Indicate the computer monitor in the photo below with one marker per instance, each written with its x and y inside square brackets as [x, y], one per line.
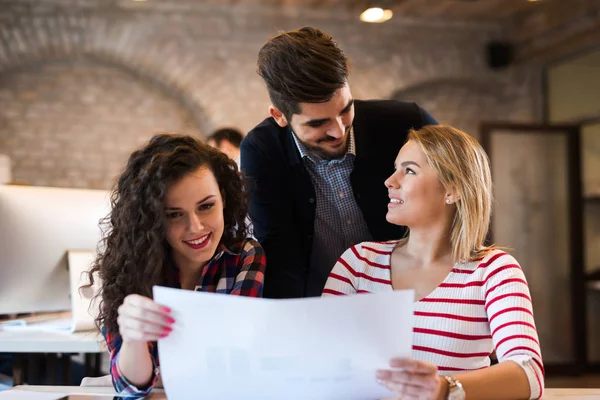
[38, 225]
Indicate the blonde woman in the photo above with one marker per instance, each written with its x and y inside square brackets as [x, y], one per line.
[471, 300]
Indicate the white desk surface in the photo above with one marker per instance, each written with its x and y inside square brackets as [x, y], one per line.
[13, 341]
[109, 392]
[572, 394]
[549, 394]
[51, 342]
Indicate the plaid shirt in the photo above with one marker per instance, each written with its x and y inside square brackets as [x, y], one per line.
[339, 223]
[236, 273]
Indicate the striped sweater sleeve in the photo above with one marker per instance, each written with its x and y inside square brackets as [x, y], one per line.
[343, 278]
[510, 315]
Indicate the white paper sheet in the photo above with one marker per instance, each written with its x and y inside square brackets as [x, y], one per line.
[231, 347]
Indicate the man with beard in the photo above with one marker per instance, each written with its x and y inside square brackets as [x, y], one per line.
[316, 167]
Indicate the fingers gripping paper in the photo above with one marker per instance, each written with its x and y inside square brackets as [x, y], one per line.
[231, 347]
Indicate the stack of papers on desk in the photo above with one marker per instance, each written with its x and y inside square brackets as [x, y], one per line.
[230, 347]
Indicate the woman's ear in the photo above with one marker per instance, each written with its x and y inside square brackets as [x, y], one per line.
[451, 196]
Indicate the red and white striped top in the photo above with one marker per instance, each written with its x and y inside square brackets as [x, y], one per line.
[480, 307]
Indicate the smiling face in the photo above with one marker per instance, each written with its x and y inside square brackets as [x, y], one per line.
[194, 211]
[323, 127]
[417, 197]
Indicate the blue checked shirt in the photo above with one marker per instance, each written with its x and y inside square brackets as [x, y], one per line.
[339, 223]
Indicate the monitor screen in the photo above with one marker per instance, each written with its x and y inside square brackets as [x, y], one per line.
[38, 225]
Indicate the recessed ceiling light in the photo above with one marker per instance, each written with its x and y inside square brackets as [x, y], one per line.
[376, 15]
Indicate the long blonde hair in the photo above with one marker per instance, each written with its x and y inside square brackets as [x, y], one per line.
[463, 167]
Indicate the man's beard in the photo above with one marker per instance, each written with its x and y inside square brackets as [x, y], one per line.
[328, 154]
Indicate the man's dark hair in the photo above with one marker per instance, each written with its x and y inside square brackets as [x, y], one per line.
[232, 135]
[302, 66]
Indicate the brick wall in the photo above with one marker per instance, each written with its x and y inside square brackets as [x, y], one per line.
[73, 123]
[82, 83]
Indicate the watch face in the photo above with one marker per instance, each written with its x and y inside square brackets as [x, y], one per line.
[456, 393]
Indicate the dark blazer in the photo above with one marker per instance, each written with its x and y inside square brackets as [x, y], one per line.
[282, 197]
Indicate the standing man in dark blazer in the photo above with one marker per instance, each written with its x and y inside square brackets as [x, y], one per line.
[316, 166]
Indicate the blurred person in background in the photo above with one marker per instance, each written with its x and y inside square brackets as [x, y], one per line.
[227, 140]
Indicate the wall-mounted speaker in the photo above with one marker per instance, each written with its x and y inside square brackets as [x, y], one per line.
[499, 54]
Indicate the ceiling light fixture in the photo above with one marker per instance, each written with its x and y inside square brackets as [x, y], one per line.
[376, 15]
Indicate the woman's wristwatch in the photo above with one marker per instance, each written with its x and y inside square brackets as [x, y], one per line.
[455, 389]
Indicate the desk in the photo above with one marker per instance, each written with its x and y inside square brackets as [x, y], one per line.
[53, 343]
[37, 341]
[571, 394]
[158, 394]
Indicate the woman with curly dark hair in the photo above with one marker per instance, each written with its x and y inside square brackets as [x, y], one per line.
[177, 220]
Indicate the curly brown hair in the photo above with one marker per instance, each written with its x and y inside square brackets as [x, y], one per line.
[134, 254]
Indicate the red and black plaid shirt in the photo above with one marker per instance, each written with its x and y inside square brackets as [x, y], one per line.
[240, 273]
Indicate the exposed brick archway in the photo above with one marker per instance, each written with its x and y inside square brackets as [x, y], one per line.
[39, 38]
[79, 91]
[73, 123]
